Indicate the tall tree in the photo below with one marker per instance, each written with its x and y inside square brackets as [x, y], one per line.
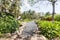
[53, 4]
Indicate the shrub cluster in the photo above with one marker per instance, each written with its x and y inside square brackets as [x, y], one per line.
[57, 18]
[49, 17]
[8, 24]
[49, 29]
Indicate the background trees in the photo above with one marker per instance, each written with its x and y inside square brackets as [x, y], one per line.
[30, 15]
[53, 5]
[10, 6]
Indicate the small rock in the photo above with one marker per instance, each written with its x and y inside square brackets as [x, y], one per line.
[41, 37]
[14, 36]
[57, 38]
[38, 37]
[7, 35]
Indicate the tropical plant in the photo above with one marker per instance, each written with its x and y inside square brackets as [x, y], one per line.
[8, 24]
[49, 29]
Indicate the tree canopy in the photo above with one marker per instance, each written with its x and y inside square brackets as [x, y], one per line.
[10, 6]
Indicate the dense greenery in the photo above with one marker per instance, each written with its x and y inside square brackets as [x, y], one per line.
[8, 24]
[9, 11]
[49, 29]
[57, 18]
[10, 6]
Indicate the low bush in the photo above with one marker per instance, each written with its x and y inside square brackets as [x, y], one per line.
[57, 18]
[8, 24]
[48, 18]
[49, 29]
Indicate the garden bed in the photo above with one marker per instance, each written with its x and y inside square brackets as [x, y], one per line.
[49, 29]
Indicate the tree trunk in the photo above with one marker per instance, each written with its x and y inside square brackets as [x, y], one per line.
[53, 4]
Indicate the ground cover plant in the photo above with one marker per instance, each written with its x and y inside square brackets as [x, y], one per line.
[49, 29]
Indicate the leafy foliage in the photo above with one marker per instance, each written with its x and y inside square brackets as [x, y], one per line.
[8, 24]
[57, 17]
[49, 29]
[49, 17]
[10, 6]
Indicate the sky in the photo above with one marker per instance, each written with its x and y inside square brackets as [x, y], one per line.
[41, 6]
